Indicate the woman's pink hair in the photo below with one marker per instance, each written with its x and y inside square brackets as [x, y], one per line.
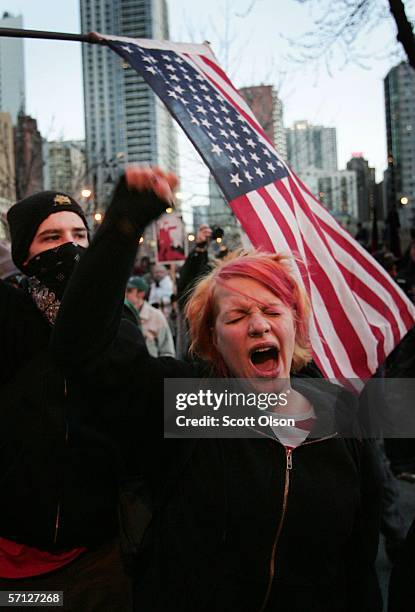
[271, 270]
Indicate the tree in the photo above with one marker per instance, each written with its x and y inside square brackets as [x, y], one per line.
[341, 25]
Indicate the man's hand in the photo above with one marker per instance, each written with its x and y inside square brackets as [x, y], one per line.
[152, 179]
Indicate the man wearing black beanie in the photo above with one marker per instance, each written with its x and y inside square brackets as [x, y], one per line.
[52, 491]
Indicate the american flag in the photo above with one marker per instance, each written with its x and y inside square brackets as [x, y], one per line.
[358, 313]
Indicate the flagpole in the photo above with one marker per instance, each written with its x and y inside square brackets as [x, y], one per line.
[90, 37]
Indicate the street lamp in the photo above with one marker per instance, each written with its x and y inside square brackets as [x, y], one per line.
[404, 200]
[86, 193]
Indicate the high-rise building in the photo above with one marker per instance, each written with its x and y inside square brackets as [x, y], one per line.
[64, 166]
[7, 170]
[399, 86]
[336, 190]
[124, 121]
[12, 74]
[7, 163]
[366, 186]
[28, 156]
[268, 109]
[311, 146]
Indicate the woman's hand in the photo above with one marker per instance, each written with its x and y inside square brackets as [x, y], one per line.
[152, 179]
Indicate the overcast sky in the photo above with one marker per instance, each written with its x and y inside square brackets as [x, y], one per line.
[252, 47]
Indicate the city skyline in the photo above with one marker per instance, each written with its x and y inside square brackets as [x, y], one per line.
[352, 101]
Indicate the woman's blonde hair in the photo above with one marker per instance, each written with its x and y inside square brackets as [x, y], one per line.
[271, 270]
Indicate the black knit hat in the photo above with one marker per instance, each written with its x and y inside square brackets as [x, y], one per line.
[25, 216]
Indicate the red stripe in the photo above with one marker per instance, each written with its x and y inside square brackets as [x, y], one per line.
[219, 71]
[373, 300]
[330, 356]
[405, 315]
[285, 227]
[251, 223]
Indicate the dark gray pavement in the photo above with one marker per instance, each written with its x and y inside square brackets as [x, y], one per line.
[407, 500]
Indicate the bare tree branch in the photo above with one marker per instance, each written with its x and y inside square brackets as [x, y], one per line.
[405, 32]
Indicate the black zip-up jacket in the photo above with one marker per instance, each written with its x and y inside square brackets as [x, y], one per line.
[240, 524]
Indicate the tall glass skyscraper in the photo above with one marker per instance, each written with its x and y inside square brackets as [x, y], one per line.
[12, 73]
[399, 86]
[124, 121]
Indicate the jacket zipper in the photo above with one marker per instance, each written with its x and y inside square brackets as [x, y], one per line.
[58, 508]
[289, 465]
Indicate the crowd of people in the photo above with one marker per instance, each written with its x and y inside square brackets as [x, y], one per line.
[97, 504]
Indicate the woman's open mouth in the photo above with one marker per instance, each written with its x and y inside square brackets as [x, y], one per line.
[265, 359]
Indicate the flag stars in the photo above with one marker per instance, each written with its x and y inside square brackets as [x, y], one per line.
[266, 152]
[174, 77]
[229, 147]
[208, 99]
[127, 49]
[194, 120]
[245, 129]
[259, 172]
[229, 121]
[218, 120]
[172, 94]
[250, 143]
[223, 132]
[179, 89]
[271, 166]
[238, 146]
[248, 176]
[235, 179]
[224, 109]
[244, 160]
[233, 134]
[206, 123]
[196, 97]
[166, 57]
[213, 110]
[200, 109]
[171, 67]
[255, 157]
[151, 69]
[234, 161]
[204, 88]
[216, 149]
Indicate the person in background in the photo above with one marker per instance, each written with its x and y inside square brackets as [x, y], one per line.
[362, 235]
[161, 289]
[152, 321]
[8, 271]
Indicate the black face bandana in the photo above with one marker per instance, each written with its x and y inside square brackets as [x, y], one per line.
[53, 268]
